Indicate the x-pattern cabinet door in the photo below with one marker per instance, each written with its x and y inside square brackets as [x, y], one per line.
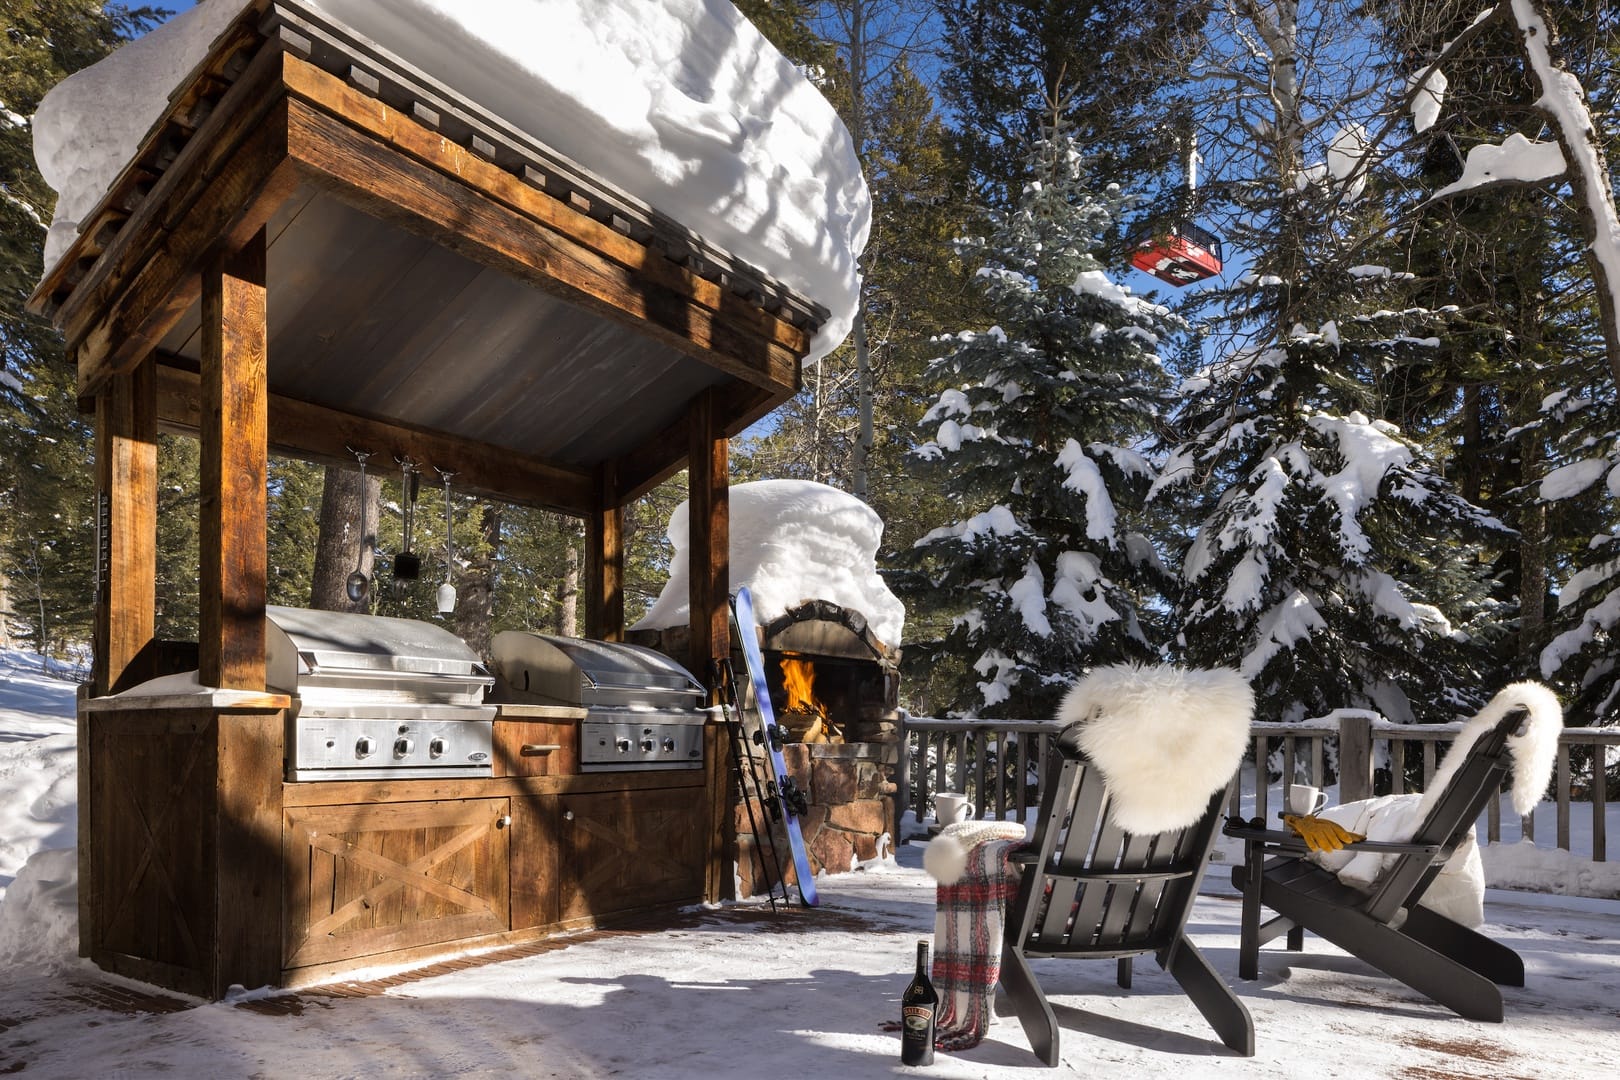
[619, 850]
[379, 877]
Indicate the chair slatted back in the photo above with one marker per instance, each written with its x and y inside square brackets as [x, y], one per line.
[1472, 787]
[1097, 889]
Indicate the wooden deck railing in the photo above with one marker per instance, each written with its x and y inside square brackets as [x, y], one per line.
[998, 765]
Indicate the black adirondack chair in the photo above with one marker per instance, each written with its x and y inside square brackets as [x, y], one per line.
[1091, 890]
[1452, 964]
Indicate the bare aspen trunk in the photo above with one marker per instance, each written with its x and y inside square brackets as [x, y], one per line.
[568, 595]
[340, 547]
[1532, 560]
[475, 615]
[1568, 114]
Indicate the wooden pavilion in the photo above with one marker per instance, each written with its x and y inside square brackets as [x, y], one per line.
[318, 248]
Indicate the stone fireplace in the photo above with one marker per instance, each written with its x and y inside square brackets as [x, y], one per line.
[835, 689]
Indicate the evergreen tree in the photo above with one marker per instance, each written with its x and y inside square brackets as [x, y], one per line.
[292, 529]
[1006, 59]
[47, 526]
[1035, 439]
[179, 600]
[1323, 540]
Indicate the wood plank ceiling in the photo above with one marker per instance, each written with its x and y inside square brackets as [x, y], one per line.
[368, 317]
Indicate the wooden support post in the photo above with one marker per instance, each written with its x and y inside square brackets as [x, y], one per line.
[709, 563]
[709, 533]
[604, 555]
[235, 394]
[126, 521]
[1355, 757]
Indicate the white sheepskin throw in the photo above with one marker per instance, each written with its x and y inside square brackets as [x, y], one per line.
[1458, 892]
[1534, 748]
[945, 857]
[1165, 738]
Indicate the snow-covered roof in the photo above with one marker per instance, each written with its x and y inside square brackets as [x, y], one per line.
[791, 541]
[681, 104]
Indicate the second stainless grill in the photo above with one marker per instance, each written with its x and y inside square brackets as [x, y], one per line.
[643, 710]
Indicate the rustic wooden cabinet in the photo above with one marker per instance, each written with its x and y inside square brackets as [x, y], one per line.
[380, 877]
[619, 850]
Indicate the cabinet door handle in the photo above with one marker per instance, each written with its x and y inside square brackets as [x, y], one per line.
[532, 749]
[568, 815]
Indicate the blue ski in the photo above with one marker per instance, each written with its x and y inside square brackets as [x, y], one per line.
[788, 796]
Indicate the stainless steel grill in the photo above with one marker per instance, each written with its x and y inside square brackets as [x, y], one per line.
[643, 710]
[377, 697]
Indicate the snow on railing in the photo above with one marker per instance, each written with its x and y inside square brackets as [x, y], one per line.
[1354, 753]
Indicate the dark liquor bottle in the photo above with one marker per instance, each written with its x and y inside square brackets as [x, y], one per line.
[919, 1006]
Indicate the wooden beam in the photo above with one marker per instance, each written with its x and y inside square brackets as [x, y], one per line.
[222, 194]
[604, 563]
[709, 536]
[145, 185]
[370, 175]
[665, 454]
[160, 291]
[427, 146]
[234, 469]
[126, 520]
[316, 433]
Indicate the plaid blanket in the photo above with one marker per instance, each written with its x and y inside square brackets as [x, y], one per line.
[969, 916]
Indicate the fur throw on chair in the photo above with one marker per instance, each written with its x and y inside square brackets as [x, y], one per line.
[1534, 746]
[1165, 738]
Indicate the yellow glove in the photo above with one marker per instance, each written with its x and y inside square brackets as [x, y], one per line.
[1320, 834]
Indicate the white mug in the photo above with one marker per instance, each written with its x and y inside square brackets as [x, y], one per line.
[953, 806]
[1305, 799]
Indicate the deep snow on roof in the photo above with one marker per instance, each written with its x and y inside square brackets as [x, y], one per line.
[680, 103]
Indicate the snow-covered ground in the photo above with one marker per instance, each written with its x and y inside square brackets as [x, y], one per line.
[738, 991]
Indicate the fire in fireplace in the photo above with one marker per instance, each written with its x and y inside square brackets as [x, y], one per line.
[802, 712]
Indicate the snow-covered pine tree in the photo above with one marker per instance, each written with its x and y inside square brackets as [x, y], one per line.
[1329, 559]
[1583, 658]
[1035, 438]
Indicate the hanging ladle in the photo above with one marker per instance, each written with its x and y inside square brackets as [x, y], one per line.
[447, 592]
[407, 564]
[358, 584]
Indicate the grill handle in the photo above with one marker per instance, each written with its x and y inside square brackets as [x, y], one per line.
[536, 749]
[477, 676]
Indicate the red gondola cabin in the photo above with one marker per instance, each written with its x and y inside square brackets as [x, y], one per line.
[1182, 256]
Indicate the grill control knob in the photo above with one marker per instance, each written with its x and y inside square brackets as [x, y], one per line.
[623, 746]
[436, 747]
[647, 746]
[403, 747]
[669, 745]
[365, 746]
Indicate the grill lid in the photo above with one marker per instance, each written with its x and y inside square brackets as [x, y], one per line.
[327, 657]
[547, 669]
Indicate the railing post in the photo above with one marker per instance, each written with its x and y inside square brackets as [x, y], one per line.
[1355, 757]
[902, 779]
[1563, 794]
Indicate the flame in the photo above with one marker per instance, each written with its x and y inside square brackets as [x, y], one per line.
[799, 680]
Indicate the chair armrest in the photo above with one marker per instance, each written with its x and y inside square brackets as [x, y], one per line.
[1284, 840]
